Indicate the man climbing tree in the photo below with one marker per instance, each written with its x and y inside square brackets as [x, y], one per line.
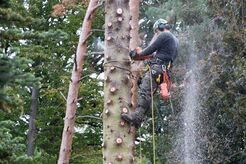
[162, 52]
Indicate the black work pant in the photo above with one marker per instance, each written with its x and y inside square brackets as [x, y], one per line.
[144, 98]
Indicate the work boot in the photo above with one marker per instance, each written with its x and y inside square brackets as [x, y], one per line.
[135, 118]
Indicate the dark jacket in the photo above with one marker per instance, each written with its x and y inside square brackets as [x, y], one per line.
[165, 46]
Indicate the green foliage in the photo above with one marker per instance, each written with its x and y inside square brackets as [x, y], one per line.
[10, 146]
[12, 149]
[37, 50]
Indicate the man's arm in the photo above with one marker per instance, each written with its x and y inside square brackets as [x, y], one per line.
[153, 47]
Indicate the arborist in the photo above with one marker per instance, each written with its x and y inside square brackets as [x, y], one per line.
[162, 51]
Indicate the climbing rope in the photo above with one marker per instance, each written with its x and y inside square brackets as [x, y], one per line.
[153, 119]
[140, 146]
[152, 113]
[171, 104]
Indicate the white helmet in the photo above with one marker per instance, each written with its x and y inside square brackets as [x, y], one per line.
[160, 24]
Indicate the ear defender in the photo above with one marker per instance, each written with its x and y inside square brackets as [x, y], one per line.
[161, 26]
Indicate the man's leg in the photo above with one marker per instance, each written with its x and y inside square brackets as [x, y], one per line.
[144, 101]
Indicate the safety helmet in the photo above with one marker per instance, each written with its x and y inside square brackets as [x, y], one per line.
[160, 24]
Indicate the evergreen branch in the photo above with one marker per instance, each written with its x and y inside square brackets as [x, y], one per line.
[17, 34]
[9, 15]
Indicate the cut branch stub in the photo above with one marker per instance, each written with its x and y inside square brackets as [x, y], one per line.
[107, 112]
[107, 57]
[104, 145]
[119, 157]
[119, 141]
[107, 79]
[113, 89]
[112, 68]
[127, 63]
[109, 102]
[122, 123]
[120, 19]
[109, 38]
[125, 110]
[110, 24]
[132, 130]
[126, 79]
[119, 11]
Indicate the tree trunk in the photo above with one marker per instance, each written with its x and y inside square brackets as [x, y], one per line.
[118, 136]
[66, 144]
[32, 127]
[134, 42]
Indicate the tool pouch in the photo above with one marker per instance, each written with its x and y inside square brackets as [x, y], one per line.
[165, 85]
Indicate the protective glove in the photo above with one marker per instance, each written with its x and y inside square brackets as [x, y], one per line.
[135, 54]
[138, 50]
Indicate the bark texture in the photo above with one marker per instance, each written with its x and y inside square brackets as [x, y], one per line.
[118, 136]
[134, 42]
[32, 127]
[66, 144]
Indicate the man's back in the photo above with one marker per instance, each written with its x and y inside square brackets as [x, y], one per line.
[165, 46]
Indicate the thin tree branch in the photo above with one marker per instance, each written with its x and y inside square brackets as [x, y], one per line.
[97, 30]
[63, 96]
[83, 42]
[97, 53]
[88, 116]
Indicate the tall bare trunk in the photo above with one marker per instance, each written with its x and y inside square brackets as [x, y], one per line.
[134, 42]
[66, 144]
[118, 137]
[32, 127]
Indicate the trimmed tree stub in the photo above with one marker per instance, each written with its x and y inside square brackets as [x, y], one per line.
[110, 24]
[109, 38]
[119, 141]
[109, 102]
[107, 57]
[119, 157]
[107, 79]
[119, 11]
[103, 145]
[120, 19]
[122, 123]
[113, 90]
[107, 112]
[112, 68]
[125, 110]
